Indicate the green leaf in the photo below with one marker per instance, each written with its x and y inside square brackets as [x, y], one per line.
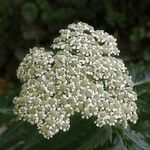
[137, 139]
[6, 113]
[137, 72]
[118, 143]
[142, 87]
[5, 118]
[32, 139]
[99, 138]
[142, 83]
[144, 127]
[13, 133]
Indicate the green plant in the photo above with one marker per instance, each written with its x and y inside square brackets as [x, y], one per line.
[24, 24]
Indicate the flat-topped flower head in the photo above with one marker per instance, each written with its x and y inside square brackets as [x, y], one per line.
[82, 38]
[84, 76]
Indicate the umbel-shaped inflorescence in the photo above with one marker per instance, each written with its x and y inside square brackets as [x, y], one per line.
[84, 76]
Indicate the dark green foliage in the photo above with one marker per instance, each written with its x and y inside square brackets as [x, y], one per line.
[99, 138]
[137, 139]
[29, 12]
[25, 23]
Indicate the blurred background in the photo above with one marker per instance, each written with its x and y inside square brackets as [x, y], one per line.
[28, 23]
[24, 24]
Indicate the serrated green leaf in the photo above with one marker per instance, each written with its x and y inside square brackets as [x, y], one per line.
[137, 139]
[11, 134]
[99, 138]
[32, 139]
[118, 144]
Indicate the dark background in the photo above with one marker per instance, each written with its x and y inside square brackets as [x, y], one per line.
[25, 24]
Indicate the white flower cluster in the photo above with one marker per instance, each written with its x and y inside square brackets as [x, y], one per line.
[84, 76]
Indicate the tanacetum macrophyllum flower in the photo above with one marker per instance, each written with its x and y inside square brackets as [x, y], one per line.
[85, 76]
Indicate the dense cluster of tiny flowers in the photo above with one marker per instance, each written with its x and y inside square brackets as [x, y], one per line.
[84, 76]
